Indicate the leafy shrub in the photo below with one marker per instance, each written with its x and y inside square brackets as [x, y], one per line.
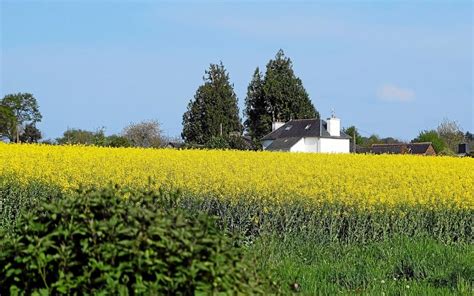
[117, 141]
[447, 152]
[119, 242]
[218, 143]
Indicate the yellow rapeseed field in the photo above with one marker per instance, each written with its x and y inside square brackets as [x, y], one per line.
[358, 180]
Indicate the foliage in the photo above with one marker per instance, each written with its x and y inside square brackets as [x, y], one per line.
[447, 152]
[214, 110]
[119, 242]
[239, 142]
[235, 142]
[257, 108]
[25, 109]
[430, 136]
[375, 139]
[285, 92]
[451, 134]
[279, 96]
[117, 141]
[8, 122]
[369, 141]
[83, 137]
[145, 134]
[469, 136]
[218, 143]
[398, 266]
[390, 140]
[97, 138]
[350, 131]
[30, 134]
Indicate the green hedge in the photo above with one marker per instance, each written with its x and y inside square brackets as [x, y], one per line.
[112, 241]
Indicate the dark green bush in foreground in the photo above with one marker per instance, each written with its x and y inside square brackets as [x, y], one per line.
[99, 241]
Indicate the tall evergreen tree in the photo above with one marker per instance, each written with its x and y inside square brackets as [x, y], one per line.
[280, 97]
[257, 109]
[214, 109]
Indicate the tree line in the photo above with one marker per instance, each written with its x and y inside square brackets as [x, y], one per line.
[212, 118]
[445, 138]
[19, 114]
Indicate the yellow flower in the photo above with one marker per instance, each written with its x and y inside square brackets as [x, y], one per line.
[366, 181]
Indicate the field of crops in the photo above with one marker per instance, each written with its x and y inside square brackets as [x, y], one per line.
[389, 224]
[356, 180]
[332, 197]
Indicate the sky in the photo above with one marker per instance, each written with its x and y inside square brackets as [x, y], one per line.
[389, 68]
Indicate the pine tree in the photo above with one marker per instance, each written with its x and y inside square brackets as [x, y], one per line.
[214, 110]
[280, 96]
[257, 109]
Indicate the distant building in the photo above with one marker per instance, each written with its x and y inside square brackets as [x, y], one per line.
[466, 149]
[425, 148]
[359, 149]
[307, 135]
[175, 145]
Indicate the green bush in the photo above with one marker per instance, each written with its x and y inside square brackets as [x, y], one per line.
[218, 143]
[117, 141]
[113, 241]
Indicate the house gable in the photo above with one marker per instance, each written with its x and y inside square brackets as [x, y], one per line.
[306, 135]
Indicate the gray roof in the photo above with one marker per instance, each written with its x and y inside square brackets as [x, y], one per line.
[302, 128]
[283, 144]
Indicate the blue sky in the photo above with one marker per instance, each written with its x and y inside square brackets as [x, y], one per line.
[390, 68]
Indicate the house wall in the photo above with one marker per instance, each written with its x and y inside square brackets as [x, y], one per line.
[299, 146]
[311, 144]
[328, 145]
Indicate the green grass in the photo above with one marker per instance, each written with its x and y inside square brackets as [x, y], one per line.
[401, 266]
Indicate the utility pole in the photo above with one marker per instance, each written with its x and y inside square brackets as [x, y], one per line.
[354, 140]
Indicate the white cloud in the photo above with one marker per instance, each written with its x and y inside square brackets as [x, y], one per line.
[393, 93]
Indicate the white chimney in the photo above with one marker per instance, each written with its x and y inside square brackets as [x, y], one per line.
[334, 126]
[276, 125]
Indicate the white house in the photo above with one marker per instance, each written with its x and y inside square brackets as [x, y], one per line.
[307, 135]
